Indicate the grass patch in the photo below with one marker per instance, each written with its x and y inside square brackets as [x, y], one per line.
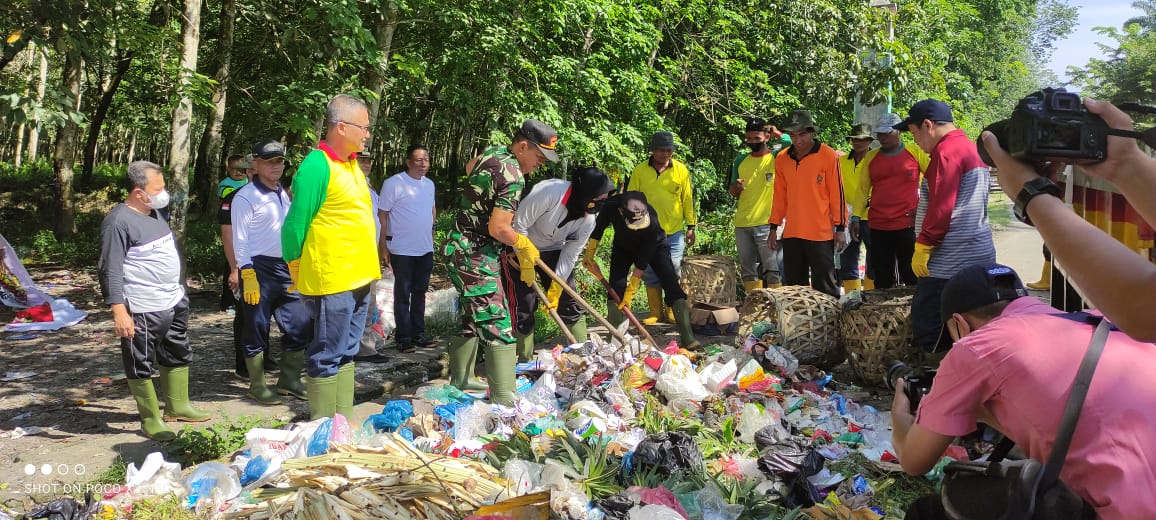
[160, 508]
[196, 445]
[115, 473]
[999, 209]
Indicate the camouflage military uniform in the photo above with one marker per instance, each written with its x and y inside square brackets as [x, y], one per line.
[474, 256]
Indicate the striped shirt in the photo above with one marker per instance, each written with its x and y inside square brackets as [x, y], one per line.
[952, 213]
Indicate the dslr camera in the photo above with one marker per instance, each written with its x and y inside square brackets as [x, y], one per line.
[917, 381]
[1048, 124]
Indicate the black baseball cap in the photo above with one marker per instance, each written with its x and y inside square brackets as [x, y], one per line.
[268, 149]
[928, 109]
[542, 135]
[974, 287]
[756, 124]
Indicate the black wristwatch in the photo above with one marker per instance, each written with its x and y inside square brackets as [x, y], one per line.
[1032, 188]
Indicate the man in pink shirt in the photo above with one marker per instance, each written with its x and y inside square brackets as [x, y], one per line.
[1012, 367]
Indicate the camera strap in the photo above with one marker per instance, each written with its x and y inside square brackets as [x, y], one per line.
[1075, 401]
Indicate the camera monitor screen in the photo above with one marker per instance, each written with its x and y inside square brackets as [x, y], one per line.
[1059, 135]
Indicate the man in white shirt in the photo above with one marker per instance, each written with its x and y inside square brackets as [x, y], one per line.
[407, 212]
[558, 217]
[258, 212]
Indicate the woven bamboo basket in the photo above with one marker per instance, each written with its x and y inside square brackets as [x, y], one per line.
[710, 279]
[878, 333]
[807, 321]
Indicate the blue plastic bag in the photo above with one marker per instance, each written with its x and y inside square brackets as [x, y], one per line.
[395, 414]
[319, 443]
[256, 467]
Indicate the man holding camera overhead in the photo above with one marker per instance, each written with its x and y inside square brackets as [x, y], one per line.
[951, 220]
[1012, 366]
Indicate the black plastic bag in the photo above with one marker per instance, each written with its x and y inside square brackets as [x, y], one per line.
[670, 452]
[765, 437]
[67, 509]
[618, 506]
[793, 463]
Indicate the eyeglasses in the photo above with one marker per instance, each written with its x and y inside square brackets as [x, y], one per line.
[364, 128]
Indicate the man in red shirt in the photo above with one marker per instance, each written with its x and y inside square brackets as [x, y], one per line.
[809, 195]
[891, 184]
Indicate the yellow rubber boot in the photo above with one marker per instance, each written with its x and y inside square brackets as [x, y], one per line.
[868, 284]
[851, 285]
[654, 301]
[1045, 283]
[751, 285]
[774, 285]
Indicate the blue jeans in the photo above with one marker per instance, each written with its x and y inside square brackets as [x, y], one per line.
[677, 243]
[292, 317]
[849, 258]
[339, 320]
[411, 281]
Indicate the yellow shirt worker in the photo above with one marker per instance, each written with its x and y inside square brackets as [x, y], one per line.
[753, 176]
[666, 184]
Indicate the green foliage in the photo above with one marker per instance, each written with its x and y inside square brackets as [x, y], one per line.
[1128, 71]
[655, 418]
[196, 445]
[755, 506]
[168, 507]
[589, 464]
[723, 441]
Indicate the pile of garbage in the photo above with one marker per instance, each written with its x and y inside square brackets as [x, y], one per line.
[600, 430]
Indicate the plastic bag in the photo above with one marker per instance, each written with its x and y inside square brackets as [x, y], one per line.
[382, 322]
[678, 380]
[211, 483]
[526, 477]
[670, 452]
[542, 393]
[780, 360]
[656, 512]
[659, 496]
[67, 509]
[392, 416]
[155, 476]
[751, 373]
[793, 463]
[714, 507]
[755, 418]
[319, 442]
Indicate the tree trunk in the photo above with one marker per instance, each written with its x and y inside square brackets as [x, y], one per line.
[18, 152]
[210, 157]
[34, 128]
[94, 126]
[131, 148]
[182, 122]
[65, 155]
[383, 33]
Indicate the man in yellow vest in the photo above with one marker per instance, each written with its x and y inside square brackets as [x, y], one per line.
[666, 184]
[328, 242]
[851, 167]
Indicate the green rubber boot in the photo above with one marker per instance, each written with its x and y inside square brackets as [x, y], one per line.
[322, 393]
[345, 390]
[150, 412]
[578, 330]
[615, 316]
[682, 321]
[175, 385]
[500, 361]
[463, 354]
[289, 380]
[525, 344]
[258, 390]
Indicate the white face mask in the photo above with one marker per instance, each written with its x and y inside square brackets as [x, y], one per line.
[159, 200]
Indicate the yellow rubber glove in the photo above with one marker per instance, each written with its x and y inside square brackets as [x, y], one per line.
[294, 268]
[553, 295]
[527, 258]
[591, 249]
[631, 288]
[920, 258]
[251, 289]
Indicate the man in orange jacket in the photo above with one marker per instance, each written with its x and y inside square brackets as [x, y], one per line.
[809, 195]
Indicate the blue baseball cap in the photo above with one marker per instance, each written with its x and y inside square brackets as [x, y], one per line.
[974, 287]
[928, 109]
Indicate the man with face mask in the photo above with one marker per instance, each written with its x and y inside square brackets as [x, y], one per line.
[639, 241]
[558, 216]
[752, 182]
[140, 280]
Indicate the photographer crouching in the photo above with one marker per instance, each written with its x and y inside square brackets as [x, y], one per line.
[1121, 283]
[1012, 364]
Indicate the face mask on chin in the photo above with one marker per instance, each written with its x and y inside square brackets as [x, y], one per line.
[158, 201]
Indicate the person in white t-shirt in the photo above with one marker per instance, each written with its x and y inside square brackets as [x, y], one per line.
[407, 212]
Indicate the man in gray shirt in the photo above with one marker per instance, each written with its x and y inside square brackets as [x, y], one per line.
[140, 274]
[558, 217]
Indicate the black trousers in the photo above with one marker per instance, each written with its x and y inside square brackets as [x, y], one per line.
[524, 301]
[890, 253]
[292, 317]
[926, 324]
[410, 283]
[158, 337]
[810, 262]
[622, 260]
